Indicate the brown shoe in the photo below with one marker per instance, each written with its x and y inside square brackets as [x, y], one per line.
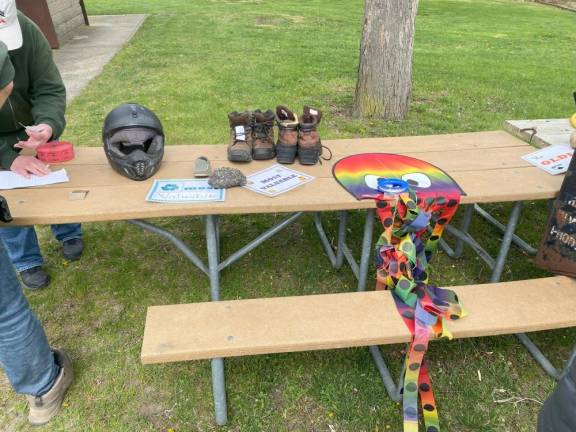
[263, 135]
[287, 143]
[43, 408]
[309, 144]
[240, 147]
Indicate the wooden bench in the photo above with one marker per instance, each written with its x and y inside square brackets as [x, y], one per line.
[305, 323]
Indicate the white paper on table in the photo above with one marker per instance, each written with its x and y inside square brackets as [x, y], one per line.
[553, 159]
[276, 180]
[11, 180]
[184, 191]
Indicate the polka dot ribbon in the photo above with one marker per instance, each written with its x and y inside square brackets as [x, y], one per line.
[413, 226]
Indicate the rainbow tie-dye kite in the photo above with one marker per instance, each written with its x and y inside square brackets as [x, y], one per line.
[415, 201]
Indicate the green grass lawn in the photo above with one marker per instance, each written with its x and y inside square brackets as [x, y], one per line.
[476, 64]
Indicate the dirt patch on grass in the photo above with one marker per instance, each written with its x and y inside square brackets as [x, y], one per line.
[154, 409]
[277, 20]
[302, 414]
[11, 414]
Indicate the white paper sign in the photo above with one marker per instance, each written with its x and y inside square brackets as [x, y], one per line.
[276, 180]
[553, 159]
[11, 180]
[184, 191]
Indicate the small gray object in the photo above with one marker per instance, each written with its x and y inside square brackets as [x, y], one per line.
[225, 177]
[202, 167]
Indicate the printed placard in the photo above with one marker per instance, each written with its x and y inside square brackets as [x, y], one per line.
[184, 191]
[276, 180]
[553, 159]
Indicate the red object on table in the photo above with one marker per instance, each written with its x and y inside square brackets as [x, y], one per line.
[55, 151]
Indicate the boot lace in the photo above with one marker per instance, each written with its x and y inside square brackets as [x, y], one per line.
[322, 157]
[261, 130]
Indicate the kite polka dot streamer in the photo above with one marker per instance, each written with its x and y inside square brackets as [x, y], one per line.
[413, 215]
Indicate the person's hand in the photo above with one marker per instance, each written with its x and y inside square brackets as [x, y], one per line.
[27, 165]
[37, 135]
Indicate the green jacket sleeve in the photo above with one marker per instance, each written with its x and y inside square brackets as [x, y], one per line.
[47, 91]
[7, 154]
[7, 151]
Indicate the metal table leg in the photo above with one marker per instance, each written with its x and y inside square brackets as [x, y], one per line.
[506, 241]
[534, 351]
[175, 240]
[463, 238]
[366, 249]
[269, 233]
[336, 258]
[215, 265]
[394, 390]
[530, 250]
[218, 384]
[538, 355]
[460, 240]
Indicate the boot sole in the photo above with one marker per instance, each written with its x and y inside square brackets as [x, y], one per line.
[38, 285]
[239, 156]
[308, 157]
[263, 154]
[56, 408]
[286, 155]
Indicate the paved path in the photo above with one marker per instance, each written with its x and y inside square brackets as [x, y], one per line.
[83, 57]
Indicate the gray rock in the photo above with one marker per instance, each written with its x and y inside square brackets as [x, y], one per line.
[226, 177]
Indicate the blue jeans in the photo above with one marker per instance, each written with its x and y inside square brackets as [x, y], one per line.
[22, 244]
[24, 351]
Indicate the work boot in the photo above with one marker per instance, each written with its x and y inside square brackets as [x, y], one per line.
[287, 143]
[43, 408]
[263, 135]
[72, 249]
[309, 144]
[240, 147]
[35, 278]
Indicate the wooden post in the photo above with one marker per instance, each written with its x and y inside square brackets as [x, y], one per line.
[37, 11]
[84, 13]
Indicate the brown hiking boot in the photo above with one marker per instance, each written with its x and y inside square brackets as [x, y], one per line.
[240, 147]
[263, 135]
[287, 143]
[309, 144]
[43, 408]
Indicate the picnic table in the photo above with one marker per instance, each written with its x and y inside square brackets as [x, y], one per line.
[487, 165]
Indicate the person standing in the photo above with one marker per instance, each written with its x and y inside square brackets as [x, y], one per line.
[32, 116]
[558, 414]
[32, 367]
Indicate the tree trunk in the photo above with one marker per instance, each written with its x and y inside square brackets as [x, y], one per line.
[385, 69]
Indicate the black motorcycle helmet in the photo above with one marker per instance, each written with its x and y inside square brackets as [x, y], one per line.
[133, 141]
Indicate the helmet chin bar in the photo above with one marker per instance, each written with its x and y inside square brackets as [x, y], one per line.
[139, 164]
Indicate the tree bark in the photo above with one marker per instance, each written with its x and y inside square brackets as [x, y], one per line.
[385, 69]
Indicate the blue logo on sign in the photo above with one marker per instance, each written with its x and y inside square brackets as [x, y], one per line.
[169, 187]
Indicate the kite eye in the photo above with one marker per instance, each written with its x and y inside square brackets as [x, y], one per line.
[418, 180]
[371, 181]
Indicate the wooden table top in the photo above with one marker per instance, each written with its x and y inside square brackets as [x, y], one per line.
[487, 165]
